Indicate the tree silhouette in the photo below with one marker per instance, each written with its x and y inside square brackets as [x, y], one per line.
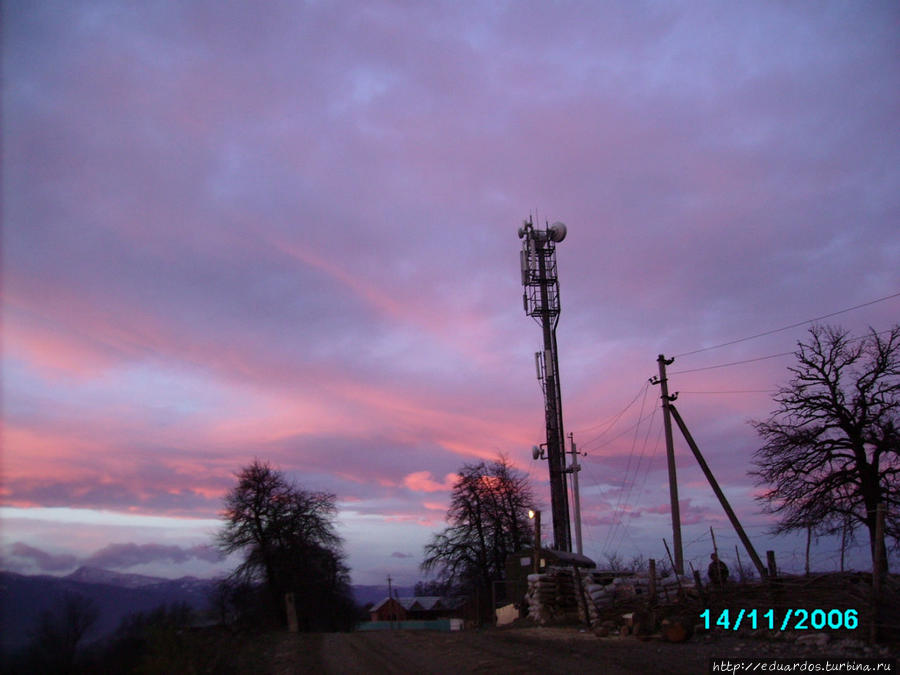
[290, 545]
[488, 520]
[59, 633]
[832, 447]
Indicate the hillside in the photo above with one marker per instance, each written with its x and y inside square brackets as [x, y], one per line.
[23, 598]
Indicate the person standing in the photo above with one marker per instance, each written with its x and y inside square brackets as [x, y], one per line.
[718, 571]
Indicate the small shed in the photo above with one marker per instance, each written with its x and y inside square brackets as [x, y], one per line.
[389, 609]
[520, 564]
[419, 608]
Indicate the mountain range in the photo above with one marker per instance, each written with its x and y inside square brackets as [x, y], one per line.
[116, 595]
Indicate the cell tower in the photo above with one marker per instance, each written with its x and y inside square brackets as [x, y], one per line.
[541, 300]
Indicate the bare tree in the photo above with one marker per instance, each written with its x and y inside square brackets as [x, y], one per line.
[488, 520]
[60, 631]
[832, 447]
[290, 543]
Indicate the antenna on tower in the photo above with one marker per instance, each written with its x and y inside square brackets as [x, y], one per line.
[541, 302]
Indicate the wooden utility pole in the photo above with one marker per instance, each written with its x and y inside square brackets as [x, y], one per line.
[391, 608]
[721, 495]
[670, 457]
[574, 469]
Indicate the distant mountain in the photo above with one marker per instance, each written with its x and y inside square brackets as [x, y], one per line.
[96, 575]
[117, 595]
[23, 598]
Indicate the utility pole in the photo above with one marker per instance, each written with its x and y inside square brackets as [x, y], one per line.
[713, 483]
[541, 301]
[574, 469]
[663, 382]
[390, 602]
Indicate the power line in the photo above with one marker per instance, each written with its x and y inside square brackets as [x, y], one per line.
[629, 515]
[732, 363]
[619, 435]
[734, 391]
[770, 356]
[623, 496]
[616, 419]
[784, 328]
[611, 421]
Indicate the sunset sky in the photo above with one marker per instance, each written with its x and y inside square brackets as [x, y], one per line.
[287, 231]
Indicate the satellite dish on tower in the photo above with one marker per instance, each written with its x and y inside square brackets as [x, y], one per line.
[536, 452]
[558, 231]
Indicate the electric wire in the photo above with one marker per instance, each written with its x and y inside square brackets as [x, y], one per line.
[732, 363]
[764, 358]
[733, 391]
[784, 328]
[609, 441]
[611, 421]
[625, 489]
[628, 516]
[623, 513]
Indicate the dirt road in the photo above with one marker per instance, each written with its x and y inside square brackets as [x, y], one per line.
[524, 650]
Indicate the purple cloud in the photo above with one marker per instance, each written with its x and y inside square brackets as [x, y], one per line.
[45, 562]
[118, 556]
[289, 233]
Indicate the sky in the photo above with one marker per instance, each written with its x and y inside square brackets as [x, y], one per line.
[287, 231]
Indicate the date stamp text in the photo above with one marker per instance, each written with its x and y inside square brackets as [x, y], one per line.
[781, 620]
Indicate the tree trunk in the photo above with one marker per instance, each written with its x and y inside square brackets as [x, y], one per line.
[874, 548]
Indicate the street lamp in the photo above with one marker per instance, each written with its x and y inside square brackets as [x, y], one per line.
[536, 556]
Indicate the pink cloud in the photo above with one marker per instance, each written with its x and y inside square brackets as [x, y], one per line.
[422, 481]
[313, 250]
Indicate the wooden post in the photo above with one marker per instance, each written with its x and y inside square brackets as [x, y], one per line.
[677, 576]
[740, 566]
[390, 604]
[291, 611]
[582, 598]
[678, 563]
[715, 486]
[773, 570]
[713, 535]
[651, 602]
[699, 583]
[493, 602]
[877, 572]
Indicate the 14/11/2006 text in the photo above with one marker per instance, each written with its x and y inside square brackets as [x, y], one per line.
[794, 619]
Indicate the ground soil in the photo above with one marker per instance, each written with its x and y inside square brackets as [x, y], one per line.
[526, 648]
[516, 650]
